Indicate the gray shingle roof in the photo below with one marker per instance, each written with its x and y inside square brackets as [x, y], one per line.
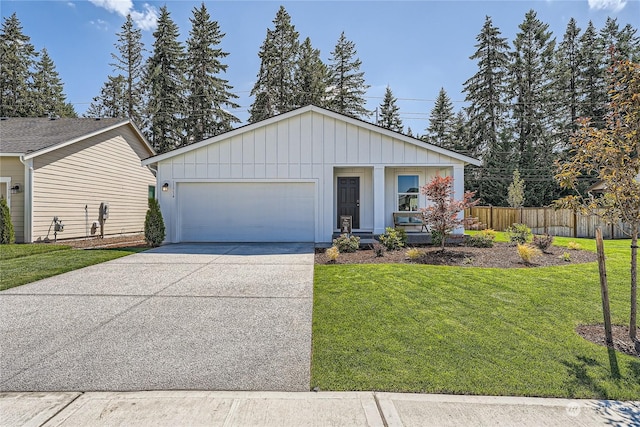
[27, 135]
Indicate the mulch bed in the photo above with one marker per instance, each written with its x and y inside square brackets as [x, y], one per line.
[108, 242]
[501, 255]
[621, 340]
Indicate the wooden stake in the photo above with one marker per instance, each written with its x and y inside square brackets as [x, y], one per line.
[604, 288]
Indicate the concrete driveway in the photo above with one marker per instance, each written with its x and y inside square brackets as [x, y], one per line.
[179, 317]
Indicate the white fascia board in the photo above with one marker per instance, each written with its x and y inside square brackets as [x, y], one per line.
[83, 137]
[11, 154]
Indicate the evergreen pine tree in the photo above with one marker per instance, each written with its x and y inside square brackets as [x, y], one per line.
[164, 80]
[623, 42]
[130, 63]
[47, 96]
[533, 110]
[17, 56]
[154, 229]
[210, 95]
[591, 82]
[441, 121]
[346, 82]
[486, 90]
[567, 75]
[112, 101]
[390, 112]
[275, 90]
[310, 77]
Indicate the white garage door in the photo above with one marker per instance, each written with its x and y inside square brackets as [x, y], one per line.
[246, 212]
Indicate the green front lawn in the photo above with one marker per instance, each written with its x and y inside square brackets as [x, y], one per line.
[25, 263]
[421, 328]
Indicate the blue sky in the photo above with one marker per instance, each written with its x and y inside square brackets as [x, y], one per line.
[415, 47]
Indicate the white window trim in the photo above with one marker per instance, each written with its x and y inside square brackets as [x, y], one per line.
[398, 193]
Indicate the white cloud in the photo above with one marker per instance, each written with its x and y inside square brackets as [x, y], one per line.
[610, 5]
[100, 24]
[145, 19]
[71, 4]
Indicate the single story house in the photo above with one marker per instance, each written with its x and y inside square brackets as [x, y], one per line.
[291, 177]
[65, 168]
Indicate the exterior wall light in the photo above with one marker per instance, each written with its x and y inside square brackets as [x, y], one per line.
[165, 187]
[16, 189]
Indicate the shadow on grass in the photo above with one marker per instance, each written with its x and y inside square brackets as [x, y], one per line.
[130, 249]
[578, 372]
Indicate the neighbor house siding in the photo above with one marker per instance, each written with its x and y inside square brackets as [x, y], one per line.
[103, 168]
[12, 167]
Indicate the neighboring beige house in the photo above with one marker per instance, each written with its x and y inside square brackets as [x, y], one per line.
[67, 167]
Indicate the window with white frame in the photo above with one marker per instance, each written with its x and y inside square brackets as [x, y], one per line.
[408, 191]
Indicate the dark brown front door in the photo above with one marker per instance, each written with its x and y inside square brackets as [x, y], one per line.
[349, 199]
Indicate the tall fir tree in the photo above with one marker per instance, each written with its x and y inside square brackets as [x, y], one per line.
[567, 76]
[164, 81]
[624, 43]
[47, 96]
[310, 77]
[17, 56]
[112, 101]
[210, 96]
[534, 109]
[390, 112]
[486, 93]
[441, 121]
[129, 62]
[275, 90]
[591, 83]
[346, 82]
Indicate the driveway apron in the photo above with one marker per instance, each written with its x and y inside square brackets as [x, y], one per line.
[178, 317]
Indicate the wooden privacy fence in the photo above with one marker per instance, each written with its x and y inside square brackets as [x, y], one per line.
[557, 222]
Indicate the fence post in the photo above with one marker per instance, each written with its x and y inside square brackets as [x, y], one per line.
[575, 223]
[491, 216]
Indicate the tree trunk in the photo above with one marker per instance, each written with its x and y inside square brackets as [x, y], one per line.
[604, 288]
[634, 288]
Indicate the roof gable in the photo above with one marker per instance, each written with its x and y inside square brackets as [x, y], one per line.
[34, 136]
[300, 111]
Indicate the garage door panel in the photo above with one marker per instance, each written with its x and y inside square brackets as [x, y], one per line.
[246, 212]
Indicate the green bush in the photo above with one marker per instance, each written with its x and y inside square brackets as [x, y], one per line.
[437, 238]
[7, 235]
[394, 238]
[346, 243]
[154, 232]
[543, 242]
[483, 239]
[519, 234]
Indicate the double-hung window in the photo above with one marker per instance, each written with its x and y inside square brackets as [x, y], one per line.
[408, 191]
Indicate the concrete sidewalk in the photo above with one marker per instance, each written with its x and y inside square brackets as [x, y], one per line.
[200, 408]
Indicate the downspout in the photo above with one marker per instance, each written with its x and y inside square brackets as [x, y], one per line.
[28, 198]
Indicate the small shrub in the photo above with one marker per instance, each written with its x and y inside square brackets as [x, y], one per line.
[378, 249]
[566, 257]
[154, 231]
[346, 243]
[528, 253]
[332, 253]
[483, 239]
[414, 254]
[519, 234]
[437, 238]
[7, 234]
[394, 238]
[574, 246]
[543, 242]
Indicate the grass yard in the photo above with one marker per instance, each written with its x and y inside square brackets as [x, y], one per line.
[25, 263]
[464, 330]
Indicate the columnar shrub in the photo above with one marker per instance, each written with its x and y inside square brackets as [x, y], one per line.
[154, 232]
[519, 234]
[394, 238]
[6, 226]
[346, 243]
